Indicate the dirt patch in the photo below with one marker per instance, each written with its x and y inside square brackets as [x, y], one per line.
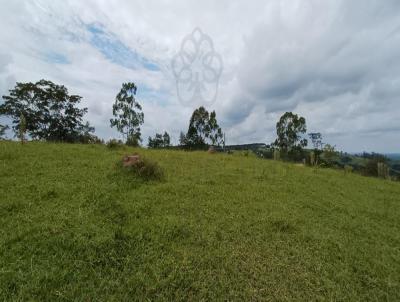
[130, 160]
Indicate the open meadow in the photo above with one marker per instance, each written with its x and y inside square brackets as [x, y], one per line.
[75, 226]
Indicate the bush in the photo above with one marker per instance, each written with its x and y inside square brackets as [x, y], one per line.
[383, 171]
[244, 153]
[277, 154]
[371, 167]
[296, 154]
[114, 144]
[348, 169]
[313, 159]
[133, 141]
[89, 139]
[265, 153]
[146, 169]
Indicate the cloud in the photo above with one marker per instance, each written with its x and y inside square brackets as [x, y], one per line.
[6, 78]
[334, 62]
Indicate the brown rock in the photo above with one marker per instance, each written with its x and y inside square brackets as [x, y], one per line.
[211, 150]
[130, 160]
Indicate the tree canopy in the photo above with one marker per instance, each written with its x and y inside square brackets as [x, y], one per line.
[316, 139]
[160, 141]
[203, 129]
[289, 130]
[128, 115]
[50, 113]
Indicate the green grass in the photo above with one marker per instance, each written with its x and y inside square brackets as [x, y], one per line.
[73, 226]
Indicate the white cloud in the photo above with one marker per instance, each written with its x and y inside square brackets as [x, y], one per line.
[335, 62]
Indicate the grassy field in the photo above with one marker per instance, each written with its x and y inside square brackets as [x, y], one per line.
[74, 227]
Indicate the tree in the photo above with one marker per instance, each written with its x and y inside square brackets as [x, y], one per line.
[155, 142]
[329, 151]
[198, 127]
[128, 114]
[133, 140]
[215, 134]
[3, 130]
[50, 113]
[316, 139]
[289, 129]
[203, 129]
[329, 154]
[182, 139]
[87, 136]
[166, 139]
[160, 141]
[22, 128]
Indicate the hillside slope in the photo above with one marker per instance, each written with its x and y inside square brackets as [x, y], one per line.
[219, 227]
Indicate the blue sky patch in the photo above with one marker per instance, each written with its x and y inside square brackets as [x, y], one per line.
[146, 93]
[117, 52]
[56, 58]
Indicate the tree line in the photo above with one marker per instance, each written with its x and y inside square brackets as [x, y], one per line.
[46, 111]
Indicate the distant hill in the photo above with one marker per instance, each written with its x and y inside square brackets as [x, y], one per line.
[393, 156]
[253, 146]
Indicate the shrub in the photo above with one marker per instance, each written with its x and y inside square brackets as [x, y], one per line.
[329, 155]
[383, 170]
[295, 154]
[244, 153]
[313, 159]
[348, 169]
[114, 144]
[89, 139]
[277, 154]
[146, 169]
[372, 165]
[133, 141]
[265, 153]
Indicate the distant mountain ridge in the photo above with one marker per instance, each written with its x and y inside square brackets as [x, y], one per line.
[393, 156]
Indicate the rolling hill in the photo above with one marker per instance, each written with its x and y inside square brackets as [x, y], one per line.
[218, 227]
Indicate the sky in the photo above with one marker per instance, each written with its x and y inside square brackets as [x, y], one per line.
[336, 63]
